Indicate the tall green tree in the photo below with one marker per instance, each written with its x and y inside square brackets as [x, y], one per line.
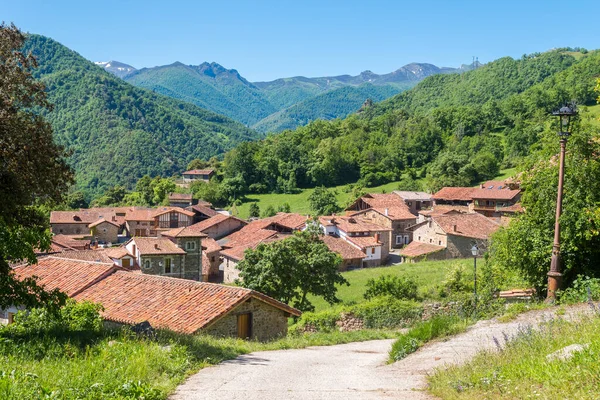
[323, 202]
[33, 171]
[291, 269]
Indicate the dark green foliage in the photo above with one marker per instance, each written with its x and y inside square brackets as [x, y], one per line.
[395, 286]
[526, 244]
[323, 202]
[285, 208]
[581, 290]
[254, 211]
[290, 269]
[269, 212]
[119, 133]
[33, 172]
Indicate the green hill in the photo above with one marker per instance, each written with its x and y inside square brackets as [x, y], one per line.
[209, 86]
[337, 103]
[453, 129]
[118, 132]
[280, 104]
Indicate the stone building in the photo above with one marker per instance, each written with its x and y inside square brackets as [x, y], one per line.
[352, 257]
[415, 201]
[397, 219]
[219, 226]
[189, 240]
[160, 256]
[449, 235]
[103, 231]
[178, 305]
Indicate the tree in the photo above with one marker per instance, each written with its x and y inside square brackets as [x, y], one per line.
[162, 187]
[285, 208]
[76, 200]
[526, 244]
[323, 202]
[291, 269]
[33, 171]
[269, 212]
[254, 211]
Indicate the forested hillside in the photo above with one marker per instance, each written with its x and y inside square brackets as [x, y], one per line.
[117, 133]
[280, 104]
[452, 129]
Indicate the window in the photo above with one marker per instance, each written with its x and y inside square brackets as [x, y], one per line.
[372, 250]
[167, 265]
[410, 203]
[104, 230]
[430, 240]
[419, 238]
[440, 242]
[147, 264]
[399, 239]
[405, 239]
[212, 259]
[189, 246]
[60, 231]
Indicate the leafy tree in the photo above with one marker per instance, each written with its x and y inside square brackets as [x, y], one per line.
[162, 187]
[33, 171]
[77, 200]
[526, 244]
[285, 208]
[269, 212]
[291, 269]
[145, 190]
[323, 202]
[112, 197]
[254, 210]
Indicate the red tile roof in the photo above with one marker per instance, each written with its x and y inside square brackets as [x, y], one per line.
[496, 193]
[210, 245]
[342, 247]
[152, 246]
[515, 208]
[140, 215]
[416, 249]
[102, 221]
[177, 304]
[351, 224]
[408, 195]
[363, 241]
[68, 276]
[79, 217]
[469, 225]
[203, 209]
[393, 213]
[71, 241]
[180, 196]
[164, 210]
[236, 250]
[454, 193]
[441, 209]
[117, 252]
[212, 221]
[199, 172]
[186, 231]
[99, 255]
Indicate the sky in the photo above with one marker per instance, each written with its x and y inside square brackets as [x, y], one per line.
[266, 40]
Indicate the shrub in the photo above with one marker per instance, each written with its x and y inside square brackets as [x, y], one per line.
[456, 281]
[582, 289]
[387, 312]
[394, 286]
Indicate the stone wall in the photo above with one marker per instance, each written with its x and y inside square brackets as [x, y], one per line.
[193, 258]
[176, 264]
[105, 232]
[430, 232]
[349, 322]
[224, 228]
[70, 229]
[268, 322]
[460, 246]
[354, 262]
[144, 226]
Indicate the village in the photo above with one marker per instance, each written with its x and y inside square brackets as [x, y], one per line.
[175, 267]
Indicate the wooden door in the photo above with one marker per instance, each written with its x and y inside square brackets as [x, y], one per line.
[244, 325]
[126, 263]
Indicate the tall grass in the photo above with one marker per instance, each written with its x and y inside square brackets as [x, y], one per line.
[519, 369]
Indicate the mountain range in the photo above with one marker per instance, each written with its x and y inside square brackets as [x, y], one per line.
[117, 132]
[273, 106]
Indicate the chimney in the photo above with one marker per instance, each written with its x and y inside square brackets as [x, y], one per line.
[377, 237]
[387, 212]
[453, 228]
[156, 244]
[482, 186]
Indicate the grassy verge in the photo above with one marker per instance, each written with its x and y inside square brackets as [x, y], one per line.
[118, 365]
[425, 331]
[520, 370]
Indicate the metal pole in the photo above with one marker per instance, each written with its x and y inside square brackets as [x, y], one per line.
[475, 277]
[555, 276]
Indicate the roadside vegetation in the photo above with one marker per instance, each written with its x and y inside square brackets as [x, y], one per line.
[519, 368]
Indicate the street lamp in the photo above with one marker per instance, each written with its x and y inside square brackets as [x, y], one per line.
[565, 115]
[475, 251]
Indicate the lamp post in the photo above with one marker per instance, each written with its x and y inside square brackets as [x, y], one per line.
[565, 115]
[475, 251]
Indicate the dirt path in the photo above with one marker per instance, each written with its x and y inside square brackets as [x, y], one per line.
[348, 371]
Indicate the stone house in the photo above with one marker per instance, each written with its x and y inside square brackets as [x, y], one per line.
[219, 226]
[182, 306]
[415, 201]
[352, 257]
[397, 219]
[454, 196]
[372, 239]
[191, 241]
[182, 200]
[150, 222]
[104, 231]
[202, 175]
[160, 256]
[77, 222]
[211, 260]
[449, 235]
[494, 198]
[139, 222]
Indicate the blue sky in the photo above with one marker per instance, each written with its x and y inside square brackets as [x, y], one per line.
[265, 40]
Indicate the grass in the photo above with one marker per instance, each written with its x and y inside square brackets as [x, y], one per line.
[299, 202]
[427, 274]
[118, 365]
[519, 369]
[422, 332]
[594, 113]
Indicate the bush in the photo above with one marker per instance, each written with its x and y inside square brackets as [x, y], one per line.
[581, 290]
[394, 286]
[456, 281]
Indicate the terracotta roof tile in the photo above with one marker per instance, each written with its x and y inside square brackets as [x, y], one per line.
[496, 193]
[203, 209]
[117, 252]
[515, 208]
[79, 217]
[408, 195]
[177, 304]
[363, 241]
[143, 214]
[180, 196]
[102, 221]
[454, 193]
[164, 210]
[342, 247]
[210, 245]
[76, 242]
[417, 249]
[99, 255]
[186, 231]
[236, 250]
[441, 209]
[150, 246]
[351, 224]
[68, 276]
[212, 221]
[469, 225]
[393, 213]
